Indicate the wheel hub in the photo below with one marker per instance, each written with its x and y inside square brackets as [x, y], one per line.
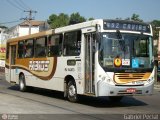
[72, 91]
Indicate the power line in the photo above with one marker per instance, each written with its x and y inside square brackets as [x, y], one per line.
[13, 4]
[21, 1]
[19, 4]
[22, 4]
[30, 14]
[29, 18]
[10, 22]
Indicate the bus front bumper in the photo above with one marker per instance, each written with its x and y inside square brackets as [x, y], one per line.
[104, 89]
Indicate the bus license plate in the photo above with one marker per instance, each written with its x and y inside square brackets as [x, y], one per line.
[131, 90]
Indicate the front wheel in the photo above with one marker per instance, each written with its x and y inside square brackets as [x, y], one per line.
[22, 83]
[72, 92]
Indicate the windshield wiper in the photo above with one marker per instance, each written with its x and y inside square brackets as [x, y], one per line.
[121, 41]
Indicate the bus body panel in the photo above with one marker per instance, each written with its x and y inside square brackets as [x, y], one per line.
[51, 72]
[109, 90]
[55, 82]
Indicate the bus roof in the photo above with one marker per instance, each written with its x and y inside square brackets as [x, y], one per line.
[78, 26]
[57, 30]
[48, 32]
[68, 28]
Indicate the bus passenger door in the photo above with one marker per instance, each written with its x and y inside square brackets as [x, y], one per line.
[89, 63]
[12, 59]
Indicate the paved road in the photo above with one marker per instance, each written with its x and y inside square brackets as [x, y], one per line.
[45, 104]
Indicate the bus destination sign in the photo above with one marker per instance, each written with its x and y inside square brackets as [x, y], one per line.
[122, 25]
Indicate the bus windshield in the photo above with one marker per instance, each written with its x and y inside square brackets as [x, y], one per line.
[131, 49]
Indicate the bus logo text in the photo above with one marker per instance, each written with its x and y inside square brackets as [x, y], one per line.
[39, 65]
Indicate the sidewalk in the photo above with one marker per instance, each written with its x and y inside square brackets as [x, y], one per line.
[2, 73]
[2, 69]
[157, 86]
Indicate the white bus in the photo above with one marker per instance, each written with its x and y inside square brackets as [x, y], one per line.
[96, 58]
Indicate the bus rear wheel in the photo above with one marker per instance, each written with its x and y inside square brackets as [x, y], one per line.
[72, 92]
[22, 83]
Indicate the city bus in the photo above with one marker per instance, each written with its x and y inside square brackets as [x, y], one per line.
[98, 58]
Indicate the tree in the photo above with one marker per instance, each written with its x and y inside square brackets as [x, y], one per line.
[91, 19]
[155, 24]
[3, 27]
[76, 18]
[118, 18]
[135, 17]
[155, 27]
[60, 20]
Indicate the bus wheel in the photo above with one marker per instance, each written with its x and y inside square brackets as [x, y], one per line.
[22, 84]
[72, 92]
[115, 98]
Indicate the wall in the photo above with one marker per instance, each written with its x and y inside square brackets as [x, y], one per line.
[24, 30]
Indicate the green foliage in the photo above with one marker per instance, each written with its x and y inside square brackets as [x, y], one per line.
[3, 27]
[155, 24]
[91, 19]
[135, 17]
[76, 18]
[62, 19]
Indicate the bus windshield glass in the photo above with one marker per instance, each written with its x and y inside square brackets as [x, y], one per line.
[131, 50]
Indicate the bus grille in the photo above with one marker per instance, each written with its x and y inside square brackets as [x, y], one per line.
[122, 78]
[123, 92]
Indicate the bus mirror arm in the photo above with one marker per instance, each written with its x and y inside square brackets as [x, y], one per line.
[98, 37]
[98, 34]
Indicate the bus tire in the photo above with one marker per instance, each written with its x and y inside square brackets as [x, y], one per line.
[115, 98]
[22, 83]
[72, 92]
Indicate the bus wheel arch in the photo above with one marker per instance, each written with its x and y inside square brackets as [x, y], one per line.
[70, 89]
[22, 82]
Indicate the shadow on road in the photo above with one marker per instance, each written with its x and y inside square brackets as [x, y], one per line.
[101, 102]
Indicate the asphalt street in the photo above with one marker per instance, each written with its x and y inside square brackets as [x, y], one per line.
[46, 104]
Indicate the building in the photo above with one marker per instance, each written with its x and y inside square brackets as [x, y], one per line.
[27, 27]
[158, 44]
[22, 29]
[3, 37]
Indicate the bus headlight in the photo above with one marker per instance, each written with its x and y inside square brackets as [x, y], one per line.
[137, 82]
[150, 79]
[106, 79]
[103, 78]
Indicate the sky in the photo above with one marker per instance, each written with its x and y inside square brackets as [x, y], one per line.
[13, 10]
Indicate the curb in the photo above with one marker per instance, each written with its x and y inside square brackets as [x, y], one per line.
[156, 86]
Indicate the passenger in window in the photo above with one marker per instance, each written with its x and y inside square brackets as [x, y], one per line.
[28, 52]
[28, 49]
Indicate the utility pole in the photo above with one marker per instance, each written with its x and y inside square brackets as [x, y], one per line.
[30, 12]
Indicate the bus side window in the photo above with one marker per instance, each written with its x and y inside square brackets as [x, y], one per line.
[29, 48]
[21, 48]
[72, 43]
[54, 45]
[7, 51]
[41, 47]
